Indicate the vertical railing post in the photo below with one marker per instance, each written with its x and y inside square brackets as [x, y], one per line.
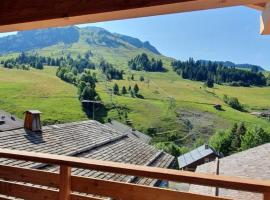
[65, 182]
[266, 196]
[217, 173]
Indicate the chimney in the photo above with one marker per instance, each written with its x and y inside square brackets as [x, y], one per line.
[32, 120]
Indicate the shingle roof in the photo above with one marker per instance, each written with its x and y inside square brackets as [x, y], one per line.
[127, 129]
[9, 122]
[88, 139]
[195, 155]
[253, 163]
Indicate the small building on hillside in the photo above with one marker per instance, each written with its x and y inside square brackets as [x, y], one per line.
[9, 122]
[253, 163]
[203, 154]
[128, 130]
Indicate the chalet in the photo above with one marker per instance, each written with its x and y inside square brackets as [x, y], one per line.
[203, 154]
[9, 121]
[253, 163]
[31, 158]
[86, 139]
[128, 130]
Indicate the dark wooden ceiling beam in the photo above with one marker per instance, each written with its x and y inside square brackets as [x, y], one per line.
[30, 14]
[259, 6]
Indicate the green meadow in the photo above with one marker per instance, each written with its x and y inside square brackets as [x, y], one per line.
[41, 89]
[167, 103]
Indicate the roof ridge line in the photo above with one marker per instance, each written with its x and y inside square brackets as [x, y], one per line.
[85, 149]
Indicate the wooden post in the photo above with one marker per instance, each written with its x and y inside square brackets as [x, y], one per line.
[65, 182]
[217, 173]
[266, 196]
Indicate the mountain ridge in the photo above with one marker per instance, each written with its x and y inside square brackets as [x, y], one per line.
[38, 39]
[90, 37]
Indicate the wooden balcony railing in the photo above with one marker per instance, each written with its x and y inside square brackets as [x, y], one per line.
[29, 183]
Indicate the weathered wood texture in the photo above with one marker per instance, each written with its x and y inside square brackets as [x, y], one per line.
[29, 14]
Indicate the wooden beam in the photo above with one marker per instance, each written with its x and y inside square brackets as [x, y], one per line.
[132, 191]
[65, 183]
[30, 14]
[237, 183]
[26, 192]
[259, 7]
[265, 20]
[29, 176]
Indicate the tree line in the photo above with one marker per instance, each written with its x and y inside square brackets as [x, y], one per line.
[142, 62]
[216, 72]
[110, 71]
[134, 92]
[25, 61]
[239, 138]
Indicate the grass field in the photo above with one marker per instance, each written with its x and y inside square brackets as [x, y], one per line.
[41, 89]
[22, 90]
[188, 95]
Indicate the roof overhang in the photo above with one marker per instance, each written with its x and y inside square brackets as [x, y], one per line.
[32, 14]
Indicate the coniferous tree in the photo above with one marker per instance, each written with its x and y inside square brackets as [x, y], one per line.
[136, 89]
[142, 62]
[218, 73]
[116, 89]
[209, 83]
[124, 90]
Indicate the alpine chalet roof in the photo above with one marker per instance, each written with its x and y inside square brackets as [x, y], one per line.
[9, 121]
[253, 163]
[128, 130]
[195, 155]
[87, 139]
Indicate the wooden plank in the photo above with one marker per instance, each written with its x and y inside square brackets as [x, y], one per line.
[26, 192]
[259, 7]
[131, 191]
[83, 197]
[29, 176]
[266, 196]
[30, 14]
[143, 171]
[65, 182]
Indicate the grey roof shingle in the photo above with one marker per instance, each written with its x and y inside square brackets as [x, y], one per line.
[87, 139]
[127, 129]
[9, 122]
[253, 163]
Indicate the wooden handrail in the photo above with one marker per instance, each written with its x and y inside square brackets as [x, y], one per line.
[259, 186]
[67, 183]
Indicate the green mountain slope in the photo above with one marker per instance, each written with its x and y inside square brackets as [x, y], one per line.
[177, 109]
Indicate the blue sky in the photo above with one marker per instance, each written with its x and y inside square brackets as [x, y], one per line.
[221, 34]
